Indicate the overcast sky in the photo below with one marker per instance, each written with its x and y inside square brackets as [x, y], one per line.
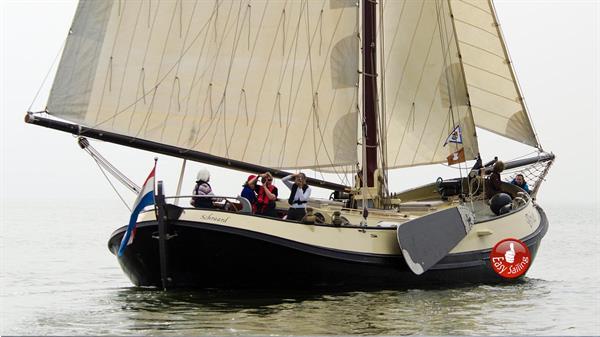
[555, 47]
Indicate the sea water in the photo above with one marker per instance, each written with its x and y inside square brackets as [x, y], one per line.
[58, 277]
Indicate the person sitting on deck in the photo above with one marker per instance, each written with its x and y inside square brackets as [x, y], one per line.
[202, 188]
[267, 196]
[250, 190]
[300, 193]
[520, 181]
[493, 184]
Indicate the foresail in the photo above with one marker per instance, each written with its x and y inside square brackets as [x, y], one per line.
[425, 96]
[494, 94]
[266, 82]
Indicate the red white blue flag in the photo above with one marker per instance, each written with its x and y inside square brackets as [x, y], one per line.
[145, 198]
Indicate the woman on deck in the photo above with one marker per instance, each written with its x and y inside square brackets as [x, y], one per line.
[203, 190]
[249, 191]
[267, 196]
[299, 196]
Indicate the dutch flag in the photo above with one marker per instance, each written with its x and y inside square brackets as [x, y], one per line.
[145, 198]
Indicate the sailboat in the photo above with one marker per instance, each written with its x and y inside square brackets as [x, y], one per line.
[333, 86]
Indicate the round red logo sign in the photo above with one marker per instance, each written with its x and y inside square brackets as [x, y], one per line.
[510, 258]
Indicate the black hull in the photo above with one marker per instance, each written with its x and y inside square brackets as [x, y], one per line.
[208, 256]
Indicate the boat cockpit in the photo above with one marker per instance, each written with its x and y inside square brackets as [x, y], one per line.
[402, 206]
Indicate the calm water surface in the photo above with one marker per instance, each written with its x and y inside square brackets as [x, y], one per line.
[58, 277]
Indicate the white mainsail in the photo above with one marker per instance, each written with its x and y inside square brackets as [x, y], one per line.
[272, 83]
[425, 91]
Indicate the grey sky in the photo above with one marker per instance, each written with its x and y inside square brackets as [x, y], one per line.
[555, 46]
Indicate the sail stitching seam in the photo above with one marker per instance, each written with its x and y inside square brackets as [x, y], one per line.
[155, 86]
[415, 95]
[248, 67]
[160, 64]
[318, 128]
[126, 65]
[445, 52]
[477, 7]
[109, 68]
[476, 27]
[262, 82]
[187, 32]
[402, 77]
[484, 50]
[514, 99]
[487, 71]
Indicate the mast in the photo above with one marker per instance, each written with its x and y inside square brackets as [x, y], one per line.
[369, 109]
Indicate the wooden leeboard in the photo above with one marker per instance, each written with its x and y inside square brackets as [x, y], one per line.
[426, 240]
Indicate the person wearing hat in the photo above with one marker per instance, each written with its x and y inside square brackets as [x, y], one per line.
[202, 188]
[249, 191]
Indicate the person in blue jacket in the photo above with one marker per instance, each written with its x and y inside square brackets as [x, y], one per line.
[250, 190]
[520, 181]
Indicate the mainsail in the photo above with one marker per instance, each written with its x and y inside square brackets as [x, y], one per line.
[276, 83]
[266, 82]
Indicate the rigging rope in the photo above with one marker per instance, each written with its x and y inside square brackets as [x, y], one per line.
[382, 102]
[105, 166]
[112, 185]
[85, 145]
[48, 73]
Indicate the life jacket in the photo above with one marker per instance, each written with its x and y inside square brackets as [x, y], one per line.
[262, 200]
[201, 202]
[291, 200]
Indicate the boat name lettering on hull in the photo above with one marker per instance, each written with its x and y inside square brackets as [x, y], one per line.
[214, 218]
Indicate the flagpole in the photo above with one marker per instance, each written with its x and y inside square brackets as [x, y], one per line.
[161, 218]
[162, 236]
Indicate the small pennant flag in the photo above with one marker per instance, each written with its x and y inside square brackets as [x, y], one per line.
[456, 157]
[455, 136]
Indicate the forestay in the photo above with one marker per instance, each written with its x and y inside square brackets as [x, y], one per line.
[265, 82]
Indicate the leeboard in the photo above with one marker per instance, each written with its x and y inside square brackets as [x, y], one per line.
[426, 240]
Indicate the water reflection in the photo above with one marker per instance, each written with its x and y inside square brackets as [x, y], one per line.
[414, 311]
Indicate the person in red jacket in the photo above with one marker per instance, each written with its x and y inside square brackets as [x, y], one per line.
[266, 196]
